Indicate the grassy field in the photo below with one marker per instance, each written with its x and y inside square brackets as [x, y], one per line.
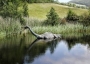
[40, 10]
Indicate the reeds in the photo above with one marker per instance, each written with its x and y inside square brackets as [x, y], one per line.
[10, 25]
[68, 29]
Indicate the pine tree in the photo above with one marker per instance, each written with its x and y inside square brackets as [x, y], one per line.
[52, 17]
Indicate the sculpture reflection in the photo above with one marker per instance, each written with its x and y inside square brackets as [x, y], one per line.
[16, 50]
[38, 48]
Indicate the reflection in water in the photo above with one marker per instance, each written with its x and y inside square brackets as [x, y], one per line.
[39, 49]
[26, 50]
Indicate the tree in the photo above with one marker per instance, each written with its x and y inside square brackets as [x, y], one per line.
[9, 9]
[25, 7]
[71, 16]
[52, 17]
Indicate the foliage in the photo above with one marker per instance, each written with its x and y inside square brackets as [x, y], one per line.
[71, 16]
[25, 7]
[85, 19]
[9, 25]
[40, 1]
[9, 10]
[68, 29]
[22, 20]
[52, 18]
[74, 5]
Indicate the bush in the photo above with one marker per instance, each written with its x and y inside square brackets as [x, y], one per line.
[52, 18]
[85, 19]
[63, 21]
[71, 16]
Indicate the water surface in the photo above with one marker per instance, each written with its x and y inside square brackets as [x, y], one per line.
[28, 50]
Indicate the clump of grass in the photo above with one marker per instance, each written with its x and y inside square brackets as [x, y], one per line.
[33, 21]
[9, 25]
[2, 35]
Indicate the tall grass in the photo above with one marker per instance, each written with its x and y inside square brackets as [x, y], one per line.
[68, 29]
[9, 25]
[33, 22]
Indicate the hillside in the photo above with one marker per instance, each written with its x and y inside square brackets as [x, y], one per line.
[40, 10]
[84, 2]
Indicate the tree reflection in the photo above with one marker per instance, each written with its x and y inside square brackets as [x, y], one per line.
[52, 45]
[73, 41]
[16, 50]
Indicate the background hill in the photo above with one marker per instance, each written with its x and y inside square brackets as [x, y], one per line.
[40, 10]
[84, 2]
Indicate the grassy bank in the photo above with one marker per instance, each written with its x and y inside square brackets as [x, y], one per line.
[65, 30]
[12, 26]
[9, 25]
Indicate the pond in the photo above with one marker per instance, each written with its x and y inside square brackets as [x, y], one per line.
[28, 50]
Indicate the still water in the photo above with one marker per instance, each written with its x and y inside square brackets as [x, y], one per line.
[28, 50]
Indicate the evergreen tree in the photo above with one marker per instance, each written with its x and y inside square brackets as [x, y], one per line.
[52, 18]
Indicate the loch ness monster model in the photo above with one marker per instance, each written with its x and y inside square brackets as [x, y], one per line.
[46, 35]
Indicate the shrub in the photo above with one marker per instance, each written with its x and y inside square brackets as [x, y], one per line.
[71, 16]
[85, 19]
[52, 18]
[63, 21]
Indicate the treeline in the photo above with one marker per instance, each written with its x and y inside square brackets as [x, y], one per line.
[40, 1]
[29, 1]
[10, 8]
[74, 5]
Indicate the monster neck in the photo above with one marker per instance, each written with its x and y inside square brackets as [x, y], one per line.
[36, 35]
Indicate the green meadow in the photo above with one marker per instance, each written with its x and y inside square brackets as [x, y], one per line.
[40, 10]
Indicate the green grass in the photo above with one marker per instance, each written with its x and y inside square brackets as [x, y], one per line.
[9, 25]
[2, 35]
[12, 26]
[40, 10]
[65, 30]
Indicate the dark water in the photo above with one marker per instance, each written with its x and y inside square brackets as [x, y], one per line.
[27, 50]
